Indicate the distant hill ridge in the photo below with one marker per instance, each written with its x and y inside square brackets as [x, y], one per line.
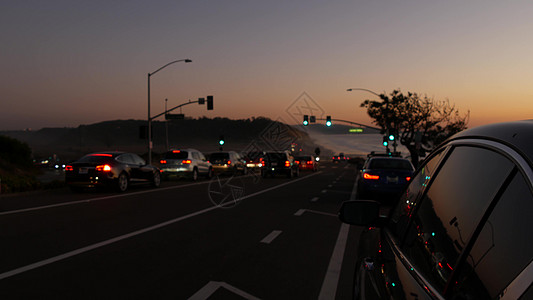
[201, 133]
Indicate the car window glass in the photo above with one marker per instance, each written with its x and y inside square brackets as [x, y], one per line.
[503, 247]
[390, 164]
[195, 155]
[219, 156]
[202, 156]
[451, 209]
[400, 216]
[137, 159]
[125, 158]
[176, 154]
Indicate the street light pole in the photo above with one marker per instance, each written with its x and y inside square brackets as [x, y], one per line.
[149, 117]
[386, 108]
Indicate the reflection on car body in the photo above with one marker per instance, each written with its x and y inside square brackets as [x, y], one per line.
[461, 228]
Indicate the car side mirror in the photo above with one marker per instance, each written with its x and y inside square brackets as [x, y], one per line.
[359, 212]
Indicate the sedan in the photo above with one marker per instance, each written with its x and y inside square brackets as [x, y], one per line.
[110, 169]
[384, 176]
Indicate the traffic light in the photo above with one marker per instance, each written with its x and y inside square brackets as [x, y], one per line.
[391, 137]
[209, 102]
[221, 140]
[328, 121]
[385, 141]
[306, 120]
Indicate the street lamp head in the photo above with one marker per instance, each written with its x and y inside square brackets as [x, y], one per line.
[349, 90]
[188, 60]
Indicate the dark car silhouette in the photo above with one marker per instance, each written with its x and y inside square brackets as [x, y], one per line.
[462, 227]
[115, 169]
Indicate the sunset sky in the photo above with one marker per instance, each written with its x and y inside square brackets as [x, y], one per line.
[66, 63]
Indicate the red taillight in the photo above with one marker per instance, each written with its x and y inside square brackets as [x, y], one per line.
[229, 162]
[408, 178]
[287, 163]
[186, 161]
[297, 162]
[310, 162]
[370, 176]
[103, 168]
[69, 168]
[163, 161]
[102, 154]
[176, 151]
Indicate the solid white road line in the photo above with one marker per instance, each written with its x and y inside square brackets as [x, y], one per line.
[269, 238]
[329, 286]
[98, 198]
[331, 280]
[129, 235]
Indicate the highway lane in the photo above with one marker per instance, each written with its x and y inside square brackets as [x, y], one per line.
[275, 243]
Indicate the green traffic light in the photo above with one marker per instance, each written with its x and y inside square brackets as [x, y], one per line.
[385, 143]
[328, 123]
[221, 142]
[306, 123]
[391, 137]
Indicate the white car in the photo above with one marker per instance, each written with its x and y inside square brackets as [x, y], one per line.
[185, 163]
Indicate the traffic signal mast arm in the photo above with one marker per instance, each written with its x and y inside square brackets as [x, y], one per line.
[175, 107]
[349, 122]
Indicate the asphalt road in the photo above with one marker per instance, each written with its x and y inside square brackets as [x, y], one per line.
[225, 238]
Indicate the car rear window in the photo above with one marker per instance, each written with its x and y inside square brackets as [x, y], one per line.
[390, 164]
[303, 158]
[95, 158]
[176, 155]
[219, 156]
[276, 156]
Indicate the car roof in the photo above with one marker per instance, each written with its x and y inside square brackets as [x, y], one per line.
[517, 135]
[185, 149]
[114, 153]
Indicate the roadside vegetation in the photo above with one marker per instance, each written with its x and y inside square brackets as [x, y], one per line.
[17, 171]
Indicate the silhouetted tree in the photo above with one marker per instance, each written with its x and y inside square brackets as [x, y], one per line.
[420, 123]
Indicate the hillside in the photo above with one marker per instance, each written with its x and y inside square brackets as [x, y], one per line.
[202, 134]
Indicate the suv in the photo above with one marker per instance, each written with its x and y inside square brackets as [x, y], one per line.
[228, 162]
[280, 162]
[185, 162]
[461, 229]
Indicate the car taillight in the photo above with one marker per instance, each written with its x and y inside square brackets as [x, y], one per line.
[103, 168]
[287, 163]
[297, 162]
[310, 162]
[69, 168]
[186, 161]
[408, 178]
[163, 161]
[370, 176]
[176, 151]
[229, 162]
